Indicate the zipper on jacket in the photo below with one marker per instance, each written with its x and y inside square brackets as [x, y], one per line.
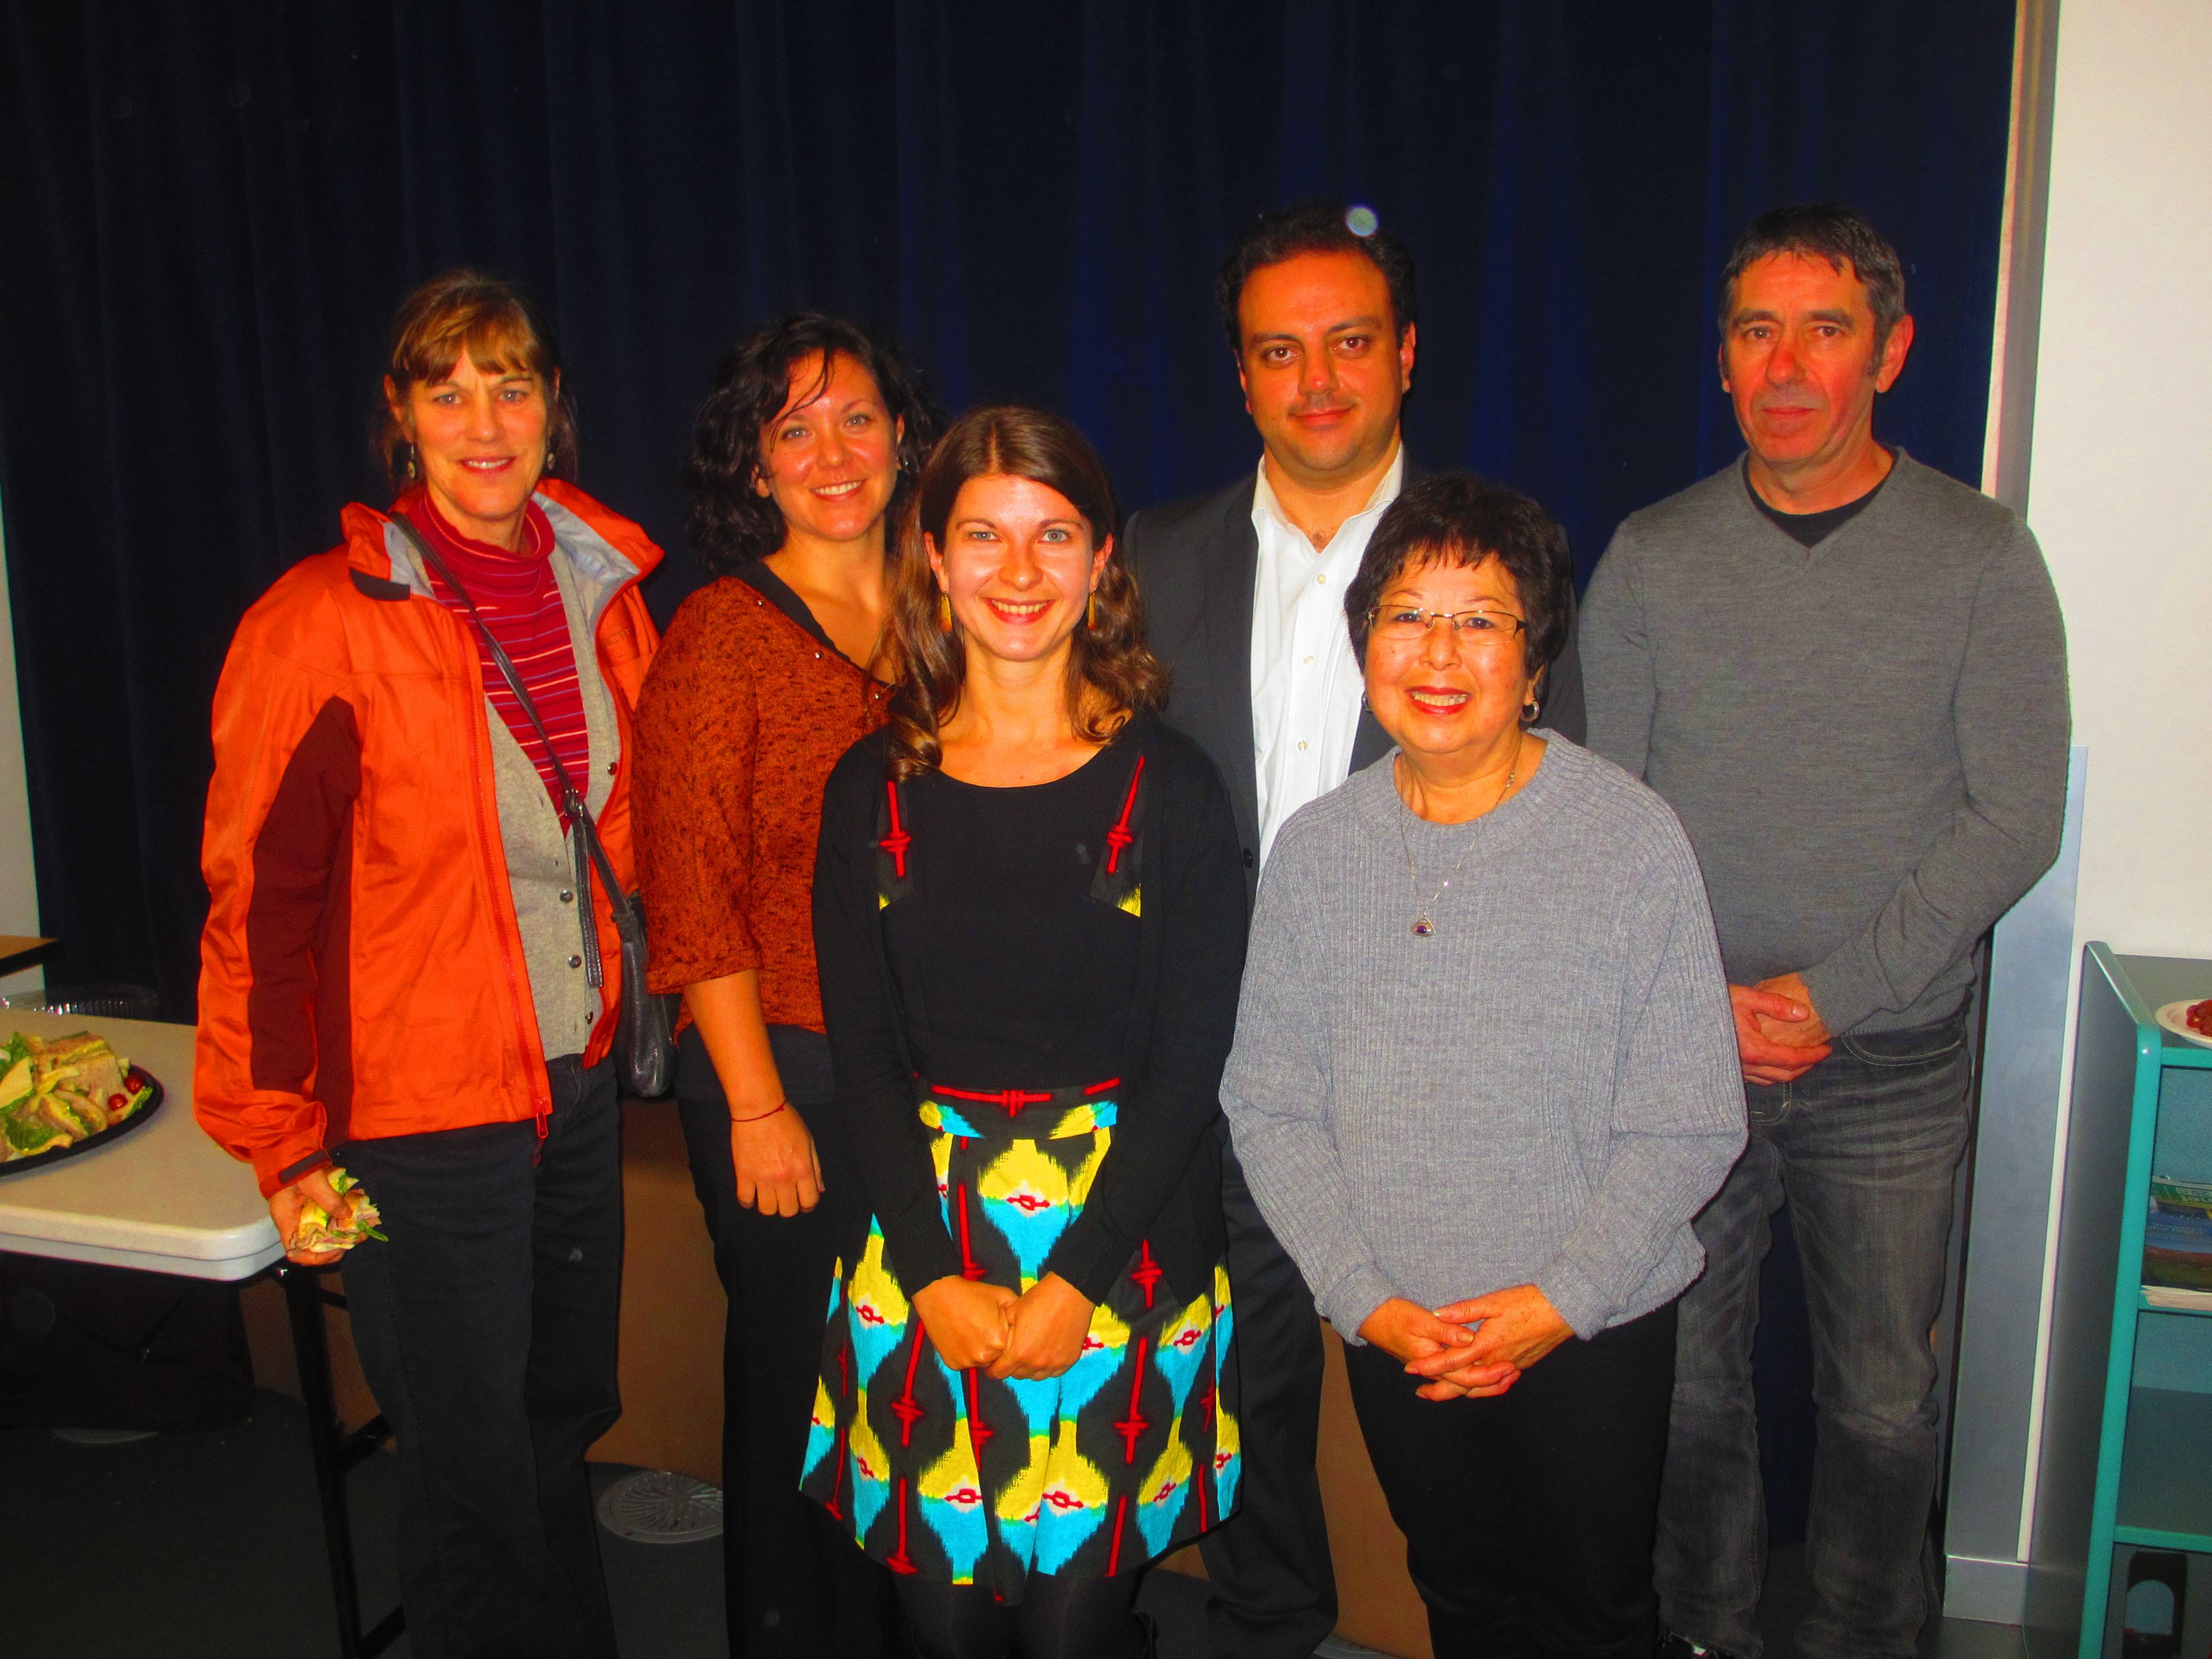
[487, 835]
[623, 737]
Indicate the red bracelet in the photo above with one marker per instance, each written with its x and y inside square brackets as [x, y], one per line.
[771, 1112]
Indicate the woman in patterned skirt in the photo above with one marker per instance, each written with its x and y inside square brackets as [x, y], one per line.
[1029, 913]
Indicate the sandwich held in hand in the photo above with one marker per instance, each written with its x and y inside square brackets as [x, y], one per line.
[356, 1219]
[53, 1095]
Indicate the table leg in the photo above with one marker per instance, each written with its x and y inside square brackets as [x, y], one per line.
[335, 1452]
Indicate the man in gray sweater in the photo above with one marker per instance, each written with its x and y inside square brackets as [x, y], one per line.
[1846, 673]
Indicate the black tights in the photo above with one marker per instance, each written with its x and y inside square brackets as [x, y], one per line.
[1059, 1618]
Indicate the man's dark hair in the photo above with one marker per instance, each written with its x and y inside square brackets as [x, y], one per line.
[1314, 227]
[1829, 231]
[1457, 519]
[730, 521]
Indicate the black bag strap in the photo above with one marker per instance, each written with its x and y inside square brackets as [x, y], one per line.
[588, 844]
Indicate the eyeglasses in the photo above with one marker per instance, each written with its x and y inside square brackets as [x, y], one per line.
[1404, 625]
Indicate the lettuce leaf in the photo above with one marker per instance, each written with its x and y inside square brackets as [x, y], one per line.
[28, 1134]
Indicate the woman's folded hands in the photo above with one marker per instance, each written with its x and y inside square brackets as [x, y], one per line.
[1515, 1329]
[1037, 1335]
[1049, 1323]
[969, 1321]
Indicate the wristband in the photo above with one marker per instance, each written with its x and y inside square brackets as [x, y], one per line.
[757, 1116]
[305, 1167]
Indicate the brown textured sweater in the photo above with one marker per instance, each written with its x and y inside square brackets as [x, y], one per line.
[746, 710]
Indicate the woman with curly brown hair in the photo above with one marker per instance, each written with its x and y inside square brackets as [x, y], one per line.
[803, 450]
[1029, 913]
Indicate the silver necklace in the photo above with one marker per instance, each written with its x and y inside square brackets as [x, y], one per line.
[1423, 927]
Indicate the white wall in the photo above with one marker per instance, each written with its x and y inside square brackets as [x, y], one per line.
[2123, 456]
[19, 896]
[2122, 459]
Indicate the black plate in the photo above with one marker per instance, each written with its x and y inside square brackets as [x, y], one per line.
[135, 1075]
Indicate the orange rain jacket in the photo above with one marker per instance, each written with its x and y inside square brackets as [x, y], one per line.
[361, 973]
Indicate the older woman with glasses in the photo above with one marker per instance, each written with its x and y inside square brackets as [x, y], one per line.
[1484, 1077]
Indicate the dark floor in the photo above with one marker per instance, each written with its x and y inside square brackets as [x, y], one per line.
[208, 1547]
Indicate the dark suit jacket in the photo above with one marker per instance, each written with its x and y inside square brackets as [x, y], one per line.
[1196, 562]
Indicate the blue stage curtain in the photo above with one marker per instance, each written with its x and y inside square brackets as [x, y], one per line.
[208, 212]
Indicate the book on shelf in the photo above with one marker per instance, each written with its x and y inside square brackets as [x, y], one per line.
[2179, 1300]
[2178, 1241]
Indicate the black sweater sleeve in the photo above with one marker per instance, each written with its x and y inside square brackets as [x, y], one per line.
[1194, 904]
[874, 1109]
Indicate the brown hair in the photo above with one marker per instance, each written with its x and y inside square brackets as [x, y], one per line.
[731, 521]
[494, 322]
[1110, 674]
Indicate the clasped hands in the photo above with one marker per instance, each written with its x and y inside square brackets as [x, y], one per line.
[1779, 1035]
[1028, 1337]
[1517, 1327]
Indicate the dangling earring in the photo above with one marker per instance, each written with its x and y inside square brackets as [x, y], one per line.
[944, 613]
[1091, 612]
[411, 462]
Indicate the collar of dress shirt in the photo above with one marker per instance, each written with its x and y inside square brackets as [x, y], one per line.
[1386, 490]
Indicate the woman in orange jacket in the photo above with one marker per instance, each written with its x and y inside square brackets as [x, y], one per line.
[402, 977]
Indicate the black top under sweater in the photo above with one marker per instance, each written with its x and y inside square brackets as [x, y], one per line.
[997, 965]
[1810, 529]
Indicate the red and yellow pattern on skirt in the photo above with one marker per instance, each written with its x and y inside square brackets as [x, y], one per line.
[966, 1480]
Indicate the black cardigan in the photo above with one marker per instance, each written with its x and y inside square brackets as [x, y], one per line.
[1161, 1180]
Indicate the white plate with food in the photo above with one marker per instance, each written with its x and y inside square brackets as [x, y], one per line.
[2176, 1017]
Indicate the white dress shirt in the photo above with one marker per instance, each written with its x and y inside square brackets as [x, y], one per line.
[1305, 681]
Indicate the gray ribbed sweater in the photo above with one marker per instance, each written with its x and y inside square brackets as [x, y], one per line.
[1544, 1091]
[1866, 740]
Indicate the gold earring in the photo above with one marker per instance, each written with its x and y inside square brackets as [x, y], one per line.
[1090, 612]
[411, 462]
[945, 613]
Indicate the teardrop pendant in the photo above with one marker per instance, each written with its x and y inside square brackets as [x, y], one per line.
[1423, 927]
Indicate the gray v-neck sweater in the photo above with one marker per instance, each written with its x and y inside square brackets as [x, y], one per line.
[1544, 1091]
[1865, 739]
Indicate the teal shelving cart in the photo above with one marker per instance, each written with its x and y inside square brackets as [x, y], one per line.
[2126, 1452]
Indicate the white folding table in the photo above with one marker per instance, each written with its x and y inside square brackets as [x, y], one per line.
[165, 1198]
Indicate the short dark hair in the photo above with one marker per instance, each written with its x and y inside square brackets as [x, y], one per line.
[730, 522]
[1829, 231]
[1318, 226]
[1457, 519]
[500, 329]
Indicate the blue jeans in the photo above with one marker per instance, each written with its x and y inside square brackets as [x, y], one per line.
[1864, 1147]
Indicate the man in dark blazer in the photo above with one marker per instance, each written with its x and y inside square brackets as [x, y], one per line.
[1242, 594]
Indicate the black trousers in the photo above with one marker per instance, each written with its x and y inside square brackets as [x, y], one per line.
[487, 1327]
[1273, 1591]
[1529, 1517]
[794, 1583]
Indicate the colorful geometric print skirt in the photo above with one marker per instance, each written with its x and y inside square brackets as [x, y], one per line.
[962, 1479]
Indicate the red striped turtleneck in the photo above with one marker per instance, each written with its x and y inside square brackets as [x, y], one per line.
[520, 602]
